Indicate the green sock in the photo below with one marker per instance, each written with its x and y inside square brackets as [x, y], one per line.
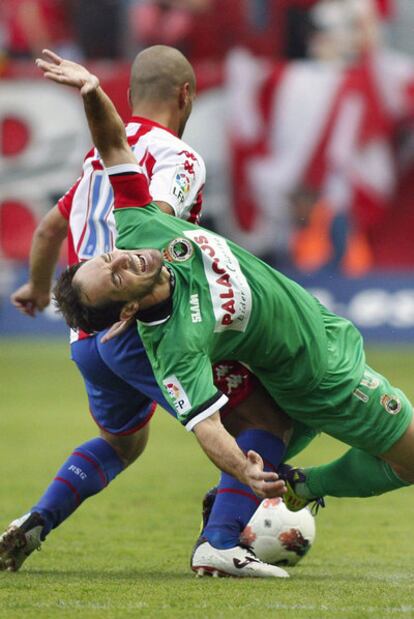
[356, 474]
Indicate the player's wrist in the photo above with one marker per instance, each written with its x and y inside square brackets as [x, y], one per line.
[90, 86]
[41, 287]
[244, 475]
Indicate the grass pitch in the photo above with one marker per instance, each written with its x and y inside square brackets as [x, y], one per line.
[125, 552]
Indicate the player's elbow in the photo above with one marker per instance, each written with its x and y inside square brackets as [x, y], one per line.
[52, 229]
[116, 153]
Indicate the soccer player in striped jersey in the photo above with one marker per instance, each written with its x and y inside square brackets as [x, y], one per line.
[198, 298]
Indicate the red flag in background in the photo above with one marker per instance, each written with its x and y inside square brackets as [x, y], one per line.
[385, 8]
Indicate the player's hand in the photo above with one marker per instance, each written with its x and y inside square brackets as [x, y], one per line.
[28, 300]
[67, 72]
[117, 329]
[264, 484]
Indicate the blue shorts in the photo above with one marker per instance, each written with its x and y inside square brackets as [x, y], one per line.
[119, 381]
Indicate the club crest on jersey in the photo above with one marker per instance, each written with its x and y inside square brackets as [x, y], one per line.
[181, 184]
[177, 394]
[178, 250]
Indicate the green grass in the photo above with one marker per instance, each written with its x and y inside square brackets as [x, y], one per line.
[125, 552]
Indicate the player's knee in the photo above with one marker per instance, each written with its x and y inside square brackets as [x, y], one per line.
[405, 473]
[259, 411]
[401, 455]
[130, 447]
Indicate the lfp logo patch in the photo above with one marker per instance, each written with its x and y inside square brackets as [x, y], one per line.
[177, 394]
[181, 184]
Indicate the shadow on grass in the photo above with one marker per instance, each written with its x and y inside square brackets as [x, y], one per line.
[133, 575]
[95, 575]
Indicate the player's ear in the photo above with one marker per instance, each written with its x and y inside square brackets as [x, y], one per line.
[129, 310]
[184, 94]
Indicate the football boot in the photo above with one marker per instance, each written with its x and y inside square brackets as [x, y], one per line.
[19, 540]
[238, 562]
[292, 476]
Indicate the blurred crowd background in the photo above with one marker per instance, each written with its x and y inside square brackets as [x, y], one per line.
[202, 29]
[305, 118]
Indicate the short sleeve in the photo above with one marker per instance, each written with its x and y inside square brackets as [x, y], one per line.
[178, 178]
[187, 383]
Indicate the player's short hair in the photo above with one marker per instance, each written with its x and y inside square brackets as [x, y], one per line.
[158, 72]
[79, 315]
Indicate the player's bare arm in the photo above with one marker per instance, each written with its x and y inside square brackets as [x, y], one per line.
[105, 124]
[34, 296]
[223, 450]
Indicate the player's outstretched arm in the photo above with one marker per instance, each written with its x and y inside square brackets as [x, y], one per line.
[47, 241]
[105, 124]
[223, 450]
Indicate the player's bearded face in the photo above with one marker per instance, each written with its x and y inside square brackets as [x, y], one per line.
[119, 276]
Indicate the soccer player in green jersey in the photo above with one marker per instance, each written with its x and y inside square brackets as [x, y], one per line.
[199, 298]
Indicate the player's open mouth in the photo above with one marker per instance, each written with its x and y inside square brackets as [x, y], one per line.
[146, 262]
[142, 263]
[138, 264]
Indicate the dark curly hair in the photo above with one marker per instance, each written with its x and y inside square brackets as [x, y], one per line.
[77, 314]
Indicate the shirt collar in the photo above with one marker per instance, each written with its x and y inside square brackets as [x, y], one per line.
[150, 123]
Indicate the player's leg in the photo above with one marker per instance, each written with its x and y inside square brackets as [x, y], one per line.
[235, 503]
[122, 415]
[89, 469]
[378, 421]
[251, 407]
[355, 474]
[129, 447]
[257, 424]
[401, 456]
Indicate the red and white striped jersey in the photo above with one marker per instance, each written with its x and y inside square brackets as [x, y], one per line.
[176, 175]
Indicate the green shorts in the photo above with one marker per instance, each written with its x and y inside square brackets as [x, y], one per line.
[373, 417]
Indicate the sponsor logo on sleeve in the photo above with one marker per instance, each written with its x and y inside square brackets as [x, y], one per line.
[230, 293]
[188, 155]
[177, 393]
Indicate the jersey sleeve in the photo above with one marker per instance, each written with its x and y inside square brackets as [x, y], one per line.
[178, 178]
[187, 384]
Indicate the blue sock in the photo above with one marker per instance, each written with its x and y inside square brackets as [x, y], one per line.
[86, 472]
[235, 503]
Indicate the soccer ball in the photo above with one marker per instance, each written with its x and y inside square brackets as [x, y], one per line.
[277, 535]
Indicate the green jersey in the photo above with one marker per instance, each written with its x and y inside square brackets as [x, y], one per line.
[228, 304]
